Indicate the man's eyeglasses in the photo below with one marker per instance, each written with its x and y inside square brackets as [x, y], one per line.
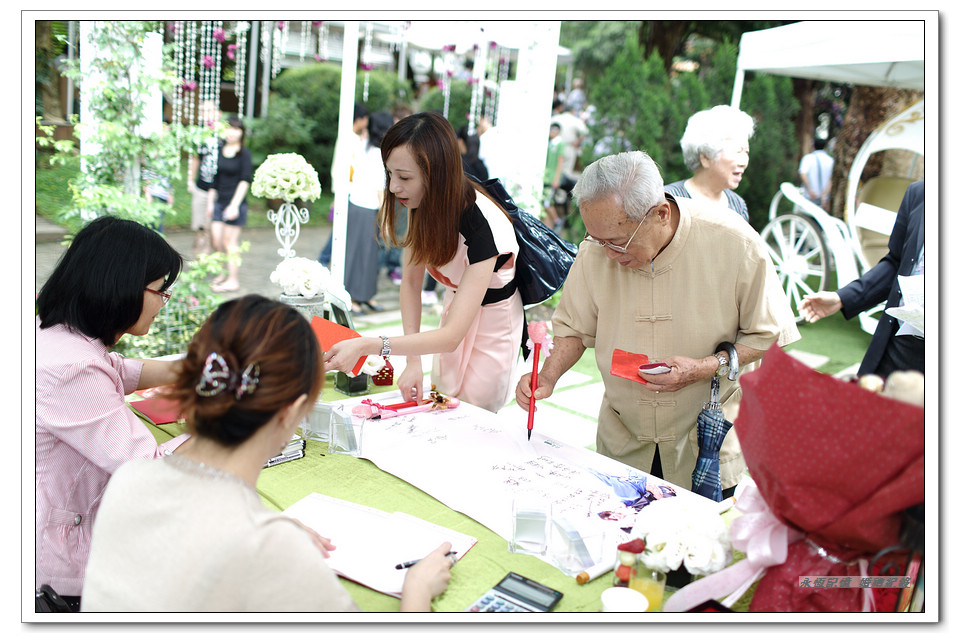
[165, 295]
[606, 245]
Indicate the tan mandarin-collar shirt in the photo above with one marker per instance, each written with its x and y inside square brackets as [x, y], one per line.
[712, 283]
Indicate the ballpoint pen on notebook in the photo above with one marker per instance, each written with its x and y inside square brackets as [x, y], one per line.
[538, 336]
[411, 563]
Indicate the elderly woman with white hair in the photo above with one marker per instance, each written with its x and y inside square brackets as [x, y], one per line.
[716, 148]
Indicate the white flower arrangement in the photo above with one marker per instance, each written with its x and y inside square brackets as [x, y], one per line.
[288, 177]
[373, 365]
[301, 276]
[678, 532]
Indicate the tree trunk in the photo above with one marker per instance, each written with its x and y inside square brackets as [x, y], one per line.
[664, 37]
[804, 91]
[50, 87]
[869, 108]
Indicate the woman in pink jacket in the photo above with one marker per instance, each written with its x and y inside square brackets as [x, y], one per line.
[112, 280]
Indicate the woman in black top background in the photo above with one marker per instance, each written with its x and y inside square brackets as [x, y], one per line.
[227, 204]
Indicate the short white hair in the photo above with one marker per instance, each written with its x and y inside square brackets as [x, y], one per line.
[708, 129]
[632, 177]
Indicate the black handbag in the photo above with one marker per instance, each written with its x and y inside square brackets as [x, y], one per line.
[544, 258]
[48, 600]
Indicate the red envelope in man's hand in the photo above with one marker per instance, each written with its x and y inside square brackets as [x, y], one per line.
[329, 333]
[626, 365]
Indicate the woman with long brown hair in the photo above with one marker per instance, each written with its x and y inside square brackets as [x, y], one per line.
[467, 243]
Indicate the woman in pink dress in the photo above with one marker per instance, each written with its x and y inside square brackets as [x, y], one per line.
[467, 243]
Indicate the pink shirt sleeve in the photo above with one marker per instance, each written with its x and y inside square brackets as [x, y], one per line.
[93, 418]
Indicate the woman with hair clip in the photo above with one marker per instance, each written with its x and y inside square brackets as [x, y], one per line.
[112, 280]
[252, 372]
[467, 243]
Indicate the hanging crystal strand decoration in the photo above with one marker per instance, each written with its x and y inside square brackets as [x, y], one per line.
[447, 78]
[190, 69]
[279, 46]
[209, 61]
[478, 79]
[503, 73]
[177, 27]
[322, 42]
[304, 37]
[490, 93]
[240, 52]
[365, 62]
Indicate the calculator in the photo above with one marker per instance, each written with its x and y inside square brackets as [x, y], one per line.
[516, 593]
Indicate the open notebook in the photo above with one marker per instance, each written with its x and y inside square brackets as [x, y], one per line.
[370, 543]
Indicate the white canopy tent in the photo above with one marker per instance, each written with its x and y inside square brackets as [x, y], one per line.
[876, 53]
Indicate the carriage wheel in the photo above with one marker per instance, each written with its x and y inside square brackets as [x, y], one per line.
[799, 256]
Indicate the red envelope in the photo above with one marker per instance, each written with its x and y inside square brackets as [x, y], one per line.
[158, 410]
[625, 365]
[329, 333]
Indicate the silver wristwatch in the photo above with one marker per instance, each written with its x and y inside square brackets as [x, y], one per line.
[385, 351]
[724, 366]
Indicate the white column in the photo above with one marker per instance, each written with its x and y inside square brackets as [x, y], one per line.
[348, 84]
[525, 108]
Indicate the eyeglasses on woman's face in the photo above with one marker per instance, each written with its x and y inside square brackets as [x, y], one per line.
[164, 295]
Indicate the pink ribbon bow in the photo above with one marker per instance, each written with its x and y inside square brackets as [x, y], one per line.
[761, 536]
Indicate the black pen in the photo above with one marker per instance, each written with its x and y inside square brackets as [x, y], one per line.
[411, 563]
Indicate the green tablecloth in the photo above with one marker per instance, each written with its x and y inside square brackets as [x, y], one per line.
[360, 481]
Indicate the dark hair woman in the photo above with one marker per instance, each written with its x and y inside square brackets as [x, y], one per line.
[467, 243]
[112, 280]
[250, 375]
[227, 205]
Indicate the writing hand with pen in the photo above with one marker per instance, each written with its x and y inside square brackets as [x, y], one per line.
[426, 579]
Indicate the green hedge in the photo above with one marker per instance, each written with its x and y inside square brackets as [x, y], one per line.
[304, 112]
[635, 96]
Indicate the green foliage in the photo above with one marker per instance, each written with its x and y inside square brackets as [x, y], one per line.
[594, 43]
[115, 78]
[315, 91]
[192, 302]
[460, 97]
[109, 181]
[634, 96]
[285, 129]
[773, 148]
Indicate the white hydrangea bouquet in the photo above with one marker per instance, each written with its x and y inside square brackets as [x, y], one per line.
[299, 276]
[287, 177]
[677, 531]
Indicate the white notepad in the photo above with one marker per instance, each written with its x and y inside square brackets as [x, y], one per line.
[370, 543]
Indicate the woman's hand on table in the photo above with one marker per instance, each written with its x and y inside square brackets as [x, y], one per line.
[427, 579]
[325, 545]
[410, 382]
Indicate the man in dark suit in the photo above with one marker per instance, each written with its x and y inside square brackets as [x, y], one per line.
[895, 346]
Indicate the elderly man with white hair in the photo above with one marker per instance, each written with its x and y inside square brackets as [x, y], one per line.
[671, 278]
